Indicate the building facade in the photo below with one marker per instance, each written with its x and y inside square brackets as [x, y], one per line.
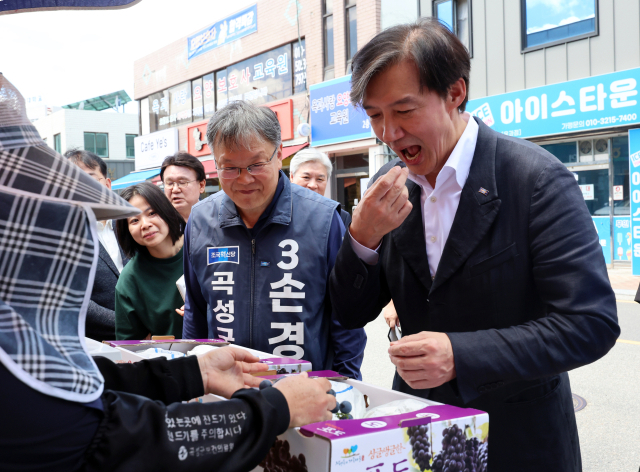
[110, 135]
[269, 53]
[561, 74]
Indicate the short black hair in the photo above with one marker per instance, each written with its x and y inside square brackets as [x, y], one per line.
[184, 159]
[439, 56]
[89, 159]
[156, 200]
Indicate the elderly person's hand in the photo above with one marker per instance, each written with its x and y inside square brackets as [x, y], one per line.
[424, 360]
[227, 369]
[308, 399]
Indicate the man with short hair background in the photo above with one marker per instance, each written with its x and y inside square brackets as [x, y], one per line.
[312, 169]
[488, 251]
[101, 321]
[257, 256]
[184, 181]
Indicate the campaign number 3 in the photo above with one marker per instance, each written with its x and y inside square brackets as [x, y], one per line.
[291, 254]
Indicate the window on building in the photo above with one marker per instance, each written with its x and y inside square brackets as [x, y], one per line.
[565, 152]
[396, 12]
[456, 15]
[131, 149]
[57, 142]
[352, 31]
[543, 26]
[328, 39]
[97, 143]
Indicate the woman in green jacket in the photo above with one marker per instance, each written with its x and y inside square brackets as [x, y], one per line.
[147, 299]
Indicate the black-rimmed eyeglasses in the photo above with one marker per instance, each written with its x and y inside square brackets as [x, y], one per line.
[253, 169]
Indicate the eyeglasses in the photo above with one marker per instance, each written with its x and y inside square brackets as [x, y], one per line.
[253, 169]
[172, 185]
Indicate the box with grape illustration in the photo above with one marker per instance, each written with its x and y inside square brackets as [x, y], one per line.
[369, 437]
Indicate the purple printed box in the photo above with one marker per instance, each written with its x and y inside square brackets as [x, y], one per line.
[408, 442]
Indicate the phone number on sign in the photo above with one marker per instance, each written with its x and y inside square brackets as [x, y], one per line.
[611, 119]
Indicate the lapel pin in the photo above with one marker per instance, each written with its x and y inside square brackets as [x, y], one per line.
[483, 191]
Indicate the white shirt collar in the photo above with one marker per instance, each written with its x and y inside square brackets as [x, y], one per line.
[460, 158]
[102, 227]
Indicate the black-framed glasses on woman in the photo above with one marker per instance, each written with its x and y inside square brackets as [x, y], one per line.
[254, 169]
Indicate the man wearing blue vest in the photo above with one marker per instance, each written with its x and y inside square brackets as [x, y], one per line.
[257, 256]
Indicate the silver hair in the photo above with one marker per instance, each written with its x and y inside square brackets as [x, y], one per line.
[310, 155]
[240, 123]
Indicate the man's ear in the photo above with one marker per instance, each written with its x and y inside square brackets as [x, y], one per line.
[279, 156]
[203, 184]
[457, 93]
[107, 182]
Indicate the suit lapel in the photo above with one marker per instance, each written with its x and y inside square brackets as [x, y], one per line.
[104, 255]
[409, 238]
[478, 208]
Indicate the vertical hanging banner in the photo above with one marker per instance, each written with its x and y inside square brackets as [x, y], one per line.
[634, 177]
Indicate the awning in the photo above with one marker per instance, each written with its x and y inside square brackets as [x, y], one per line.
[134, 178]
[289, 151]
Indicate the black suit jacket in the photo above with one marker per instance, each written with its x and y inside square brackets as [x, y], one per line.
[521, 290]
[101, 317]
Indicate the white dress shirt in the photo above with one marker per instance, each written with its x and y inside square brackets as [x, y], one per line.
[108, 239]
[439, 204]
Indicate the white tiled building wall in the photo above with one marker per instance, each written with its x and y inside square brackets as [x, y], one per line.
[72, 124]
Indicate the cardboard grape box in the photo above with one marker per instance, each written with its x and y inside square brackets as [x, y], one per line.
[280, 365]
[384, 444]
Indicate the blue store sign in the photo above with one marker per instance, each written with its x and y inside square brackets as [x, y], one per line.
[333, 118]
[223, 32]
[604, 101]
[634, 174]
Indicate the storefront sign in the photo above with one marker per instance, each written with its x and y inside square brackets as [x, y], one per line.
[622, 238]
[634, 175]
[603, 228]
[151, 149]
[333, 118]
[284, 111]
[223, 32]
[263, 78]
[197, 139]
[618, 192]
[598, 102]
[587, 191]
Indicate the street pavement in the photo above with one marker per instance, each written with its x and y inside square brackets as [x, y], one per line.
[609, 426]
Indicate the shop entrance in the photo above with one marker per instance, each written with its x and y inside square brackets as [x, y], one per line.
[601, 168]
[352, 174]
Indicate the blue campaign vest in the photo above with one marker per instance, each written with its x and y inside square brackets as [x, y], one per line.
[268, 292]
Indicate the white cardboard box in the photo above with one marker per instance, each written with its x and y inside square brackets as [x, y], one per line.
[280, 365]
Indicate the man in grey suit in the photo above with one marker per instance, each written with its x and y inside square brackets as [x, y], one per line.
[101, 322]
[488, 252]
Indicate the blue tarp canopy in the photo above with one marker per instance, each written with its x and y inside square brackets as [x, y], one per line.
[18, 6]
[134, 178]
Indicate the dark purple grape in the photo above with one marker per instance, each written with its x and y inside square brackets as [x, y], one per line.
[265, 384]
[345, 407]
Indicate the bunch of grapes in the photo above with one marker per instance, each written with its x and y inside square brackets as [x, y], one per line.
[471, 458]
[452, 457]
[280, 459]
[419, 439]
[483, 457]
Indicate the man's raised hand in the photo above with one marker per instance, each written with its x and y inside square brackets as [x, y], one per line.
[383, 208]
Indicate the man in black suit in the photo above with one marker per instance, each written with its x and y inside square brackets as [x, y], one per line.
[488, 252]
[101, 319]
